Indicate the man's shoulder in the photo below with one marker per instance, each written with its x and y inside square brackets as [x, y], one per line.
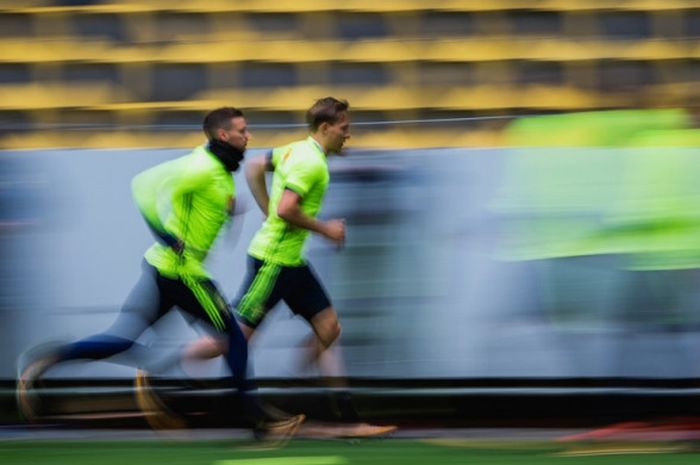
[196, 166]
[194, 157]
[302, 153]
[200, 160]
[298, 146]
[296, 155]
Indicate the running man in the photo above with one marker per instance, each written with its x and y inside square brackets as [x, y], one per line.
[201, 193]
[277, 268]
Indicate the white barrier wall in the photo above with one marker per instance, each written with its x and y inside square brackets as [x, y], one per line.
[458, 263]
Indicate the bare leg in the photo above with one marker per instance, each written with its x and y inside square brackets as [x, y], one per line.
[325, 351]
[208, 347]
[321, 348]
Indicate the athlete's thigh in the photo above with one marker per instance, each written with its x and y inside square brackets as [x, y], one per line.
[143, 306]
[202, 299]
[307, 297]
[264, 286]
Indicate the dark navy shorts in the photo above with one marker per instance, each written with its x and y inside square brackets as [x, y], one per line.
[267, 283]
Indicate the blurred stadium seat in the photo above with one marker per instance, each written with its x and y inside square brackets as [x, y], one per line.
[143, 72]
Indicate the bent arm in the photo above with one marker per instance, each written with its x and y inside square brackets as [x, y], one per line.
[255, 176]
[144, 188]
[289, 209]
[162, 183]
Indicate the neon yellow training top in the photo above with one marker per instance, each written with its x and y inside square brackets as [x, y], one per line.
[198, 191]
[302, 167]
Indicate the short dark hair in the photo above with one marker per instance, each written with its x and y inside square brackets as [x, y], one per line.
[325, 110]
[219, 119]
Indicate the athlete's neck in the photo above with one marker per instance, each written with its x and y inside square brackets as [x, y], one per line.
[315, 139]
[229, 155]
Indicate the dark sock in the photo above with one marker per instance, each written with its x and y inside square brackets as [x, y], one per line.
[343, 400]
[237, 361]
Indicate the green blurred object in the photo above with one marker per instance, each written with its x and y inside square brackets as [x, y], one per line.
[641, 204]
[616, 128]
[666, 138]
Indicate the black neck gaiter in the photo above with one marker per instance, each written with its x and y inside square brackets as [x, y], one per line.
[230, 156]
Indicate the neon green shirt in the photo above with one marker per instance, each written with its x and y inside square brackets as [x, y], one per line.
[302, 167]
[198, 192]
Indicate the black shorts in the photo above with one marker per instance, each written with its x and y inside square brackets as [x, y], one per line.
[155, 295]
[267, 283]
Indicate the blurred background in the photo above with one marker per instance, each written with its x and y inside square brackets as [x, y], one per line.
[106, 73]
[520, 192]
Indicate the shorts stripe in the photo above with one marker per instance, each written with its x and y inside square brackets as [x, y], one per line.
[252, 305]
[205, 299]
